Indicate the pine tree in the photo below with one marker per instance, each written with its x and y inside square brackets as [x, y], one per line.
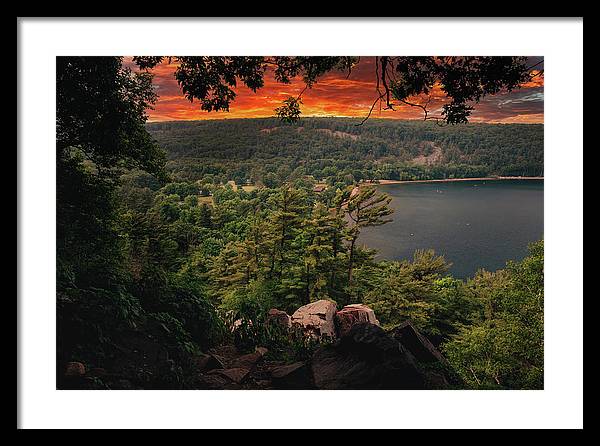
[284, 223]
[365, 207]
[319, 254]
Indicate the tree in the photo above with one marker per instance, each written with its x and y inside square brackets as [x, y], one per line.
[398, 80]
[101, 111]
[407, 290]
[284, 225]
[319, 232]
[100, 117]
[506, 348]
[365, 206]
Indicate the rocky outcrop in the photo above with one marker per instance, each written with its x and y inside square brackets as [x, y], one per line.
[420, 347]
[236, 374]
[437, 371]
[215, 381]
[317, 319]
[249, 360]
[351, 315]
[292, 376]
[278, 318]
[234, 370]
[366, 358]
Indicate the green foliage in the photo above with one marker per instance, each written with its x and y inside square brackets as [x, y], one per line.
[506, 348]
[198, 317]
[409, 291]
[86, 222]
[120, 238]
[454, 308]
[101, 110]
[270, 249]
[100, 129]
[90, 320]
[336, 151]
[364, 207]
[172, 330]
[289, 112]
[249, 327]
[252, 302]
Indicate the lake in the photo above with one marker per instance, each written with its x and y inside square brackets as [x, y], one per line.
[473, 224]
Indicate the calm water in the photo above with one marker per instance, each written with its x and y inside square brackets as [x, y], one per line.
[474, 224]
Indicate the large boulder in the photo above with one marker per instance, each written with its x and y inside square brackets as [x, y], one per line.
[250, 360]
[278, 318]
[236, 369]
[215, 381]
[353, 314]
[436, 369]
[235, 374]
[291, 376]
[317, 319]
[365, 358]
[420, 347]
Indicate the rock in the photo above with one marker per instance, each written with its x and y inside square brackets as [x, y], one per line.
[263, 384]
[74, 369]
[353, 314]
[262, 351]
[317, 319]
[278, 318]
[436, 369]
[365, 358]
[214, 381]
[248, 361]
[292, 376]
[420, 347]
[235, 374]
[223, 352]
[207, 362]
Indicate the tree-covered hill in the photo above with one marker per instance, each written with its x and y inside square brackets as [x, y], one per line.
[337, 149]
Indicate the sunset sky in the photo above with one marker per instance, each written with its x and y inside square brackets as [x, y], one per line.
[336, 95]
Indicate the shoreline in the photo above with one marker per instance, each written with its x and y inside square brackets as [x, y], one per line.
[447, 180]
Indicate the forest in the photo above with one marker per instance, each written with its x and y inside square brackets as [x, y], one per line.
[266, 151]
[162, 265]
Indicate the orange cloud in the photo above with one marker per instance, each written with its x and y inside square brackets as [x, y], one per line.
[337, 94]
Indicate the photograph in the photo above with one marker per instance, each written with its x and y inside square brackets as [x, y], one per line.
[300, 222]
[314, 223]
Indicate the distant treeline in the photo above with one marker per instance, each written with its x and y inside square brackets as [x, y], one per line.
[264, 151]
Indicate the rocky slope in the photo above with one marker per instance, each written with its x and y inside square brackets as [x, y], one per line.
[355, 353]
